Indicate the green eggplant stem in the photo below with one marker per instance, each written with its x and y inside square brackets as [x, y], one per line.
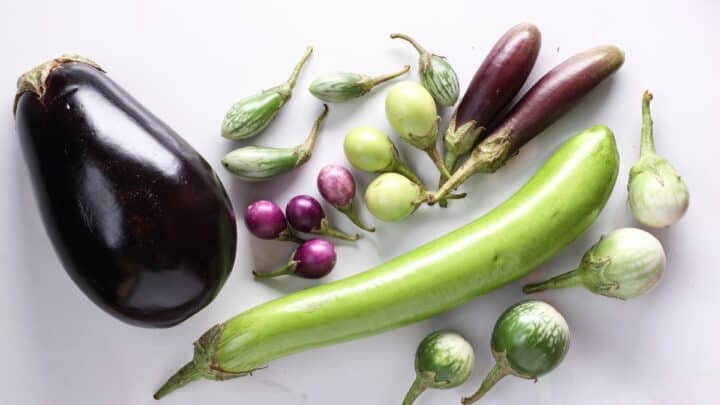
[450, 163]
[401, 168]
[326, 229]
[187, 374]
[286, 269]
[304, 151]
[495, 375]
[414, 392]
[647, 143]
[421, 50]
[464, 172]
[383, 78]
[288, 236]
[296, 71]
[570, 279]
[351, 213]
[437, 159]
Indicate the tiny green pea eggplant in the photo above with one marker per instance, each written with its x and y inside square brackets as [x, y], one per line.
[658, 196]
[625, 264]
[341, 86]
[443, 360]
[529, 340]
[438, 77]
[255, 163]
[249, 116]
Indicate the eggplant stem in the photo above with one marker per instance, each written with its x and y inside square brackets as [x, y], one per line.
[401, 168]
[414, 392]
[421, 50]
[296, 71]
[437, 159]
[463, 173]
[284, 270]
[351, 213]
[304, 151]
[647, 143]
[326, 229]
[288, 236]
[187, 374]
[383, 78]
[495, 375]
[570, 279]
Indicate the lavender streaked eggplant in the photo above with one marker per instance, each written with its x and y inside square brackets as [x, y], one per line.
[265, 220]
[249, 116]
[141, 222]
[305, 214]
[313, 259]
[436, 74]
[337, 186]
[342, 86]
[495, 83]
[549, 99]
[256, 163]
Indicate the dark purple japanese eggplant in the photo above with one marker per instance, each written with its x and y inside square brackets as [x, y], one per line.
[548, 100]
[139, 219]
[495, 83]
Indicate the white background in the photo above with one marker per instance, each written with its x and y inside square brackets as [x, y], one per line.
[188, 64]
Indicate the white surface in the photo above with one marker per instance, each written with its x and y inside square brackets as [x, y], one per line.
[189, 64]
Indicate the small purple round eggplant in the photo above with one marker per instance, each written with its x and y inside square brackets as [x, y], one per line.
[313, 259]
[305, 214]
[337, 186]
[265, 220]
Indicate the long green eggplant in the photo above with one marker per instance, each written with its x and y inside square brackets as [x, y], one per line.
[553, 208]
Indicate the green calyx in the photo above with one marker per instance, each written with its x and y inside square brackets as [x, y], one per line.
[459, 141]
[203, 365]
[249, 116]
[327, 230]
[263, 162]
[351, 213]
[284, 270]
[436, 74]
[34, 80]
[590, 274]
[341, 86]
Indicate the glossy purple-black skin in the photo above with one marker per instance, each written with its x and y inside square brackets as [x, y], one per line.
[558, 91]
[265, 219]
[138, 218]
[304, 213]
[315, 258]
[500, 77]
[336, 185]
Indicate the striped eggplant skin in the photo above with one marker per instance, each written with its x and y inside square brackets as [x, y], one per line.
[339, 87]
[440, 79]
[498, 79]
[550, 211]
[532, 337]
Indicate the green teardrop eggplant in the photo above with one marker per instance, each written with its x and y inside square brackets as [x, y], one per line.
[436, 74]
[249, 116]
[256, 163]
[340, 86]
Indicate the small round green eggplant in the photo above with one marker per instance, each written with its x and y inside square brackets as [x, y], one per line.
[443, 360]
[528, 341]
[262, 162]
[249, 116]
[625, 264]
[437, 76]
[340, 87]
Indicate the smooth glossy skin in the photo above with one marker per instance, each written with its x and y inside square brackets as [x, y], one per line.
[139, 219]
[412, 113]
[549, 212]
[337, 185]
[444, 360]
[532, 336]
[369, 149]
[391, 196]
[304, 213]
[315, 258]
[265, 219]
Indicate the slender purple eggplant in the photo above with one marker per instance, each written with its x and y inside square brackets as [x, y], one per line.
[313, 259]
[496, 82]
[139, 219]
[549, 99]
[337, 186]
[265, 220]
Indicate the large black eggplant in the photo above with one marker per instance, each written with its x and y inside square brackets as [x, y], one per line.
[139, 219]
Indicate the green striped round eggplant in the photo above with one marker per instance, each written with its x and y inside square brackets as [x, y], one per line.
[528, 341]
[436, 74]
[249, 116]
[263, 162]
[339, 87]
[443, 360]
